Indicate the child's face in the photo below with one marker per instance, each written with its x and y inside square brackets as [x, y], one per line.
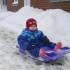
[33, 27]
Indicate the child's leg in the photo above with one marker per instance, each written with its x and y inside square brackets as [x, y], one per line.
[35, 52]
[51, 45]
[54, 46]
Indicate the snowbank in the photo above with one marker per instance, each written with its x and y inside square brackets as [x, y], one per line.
[54, 22]
[19, 18]
[4, 15]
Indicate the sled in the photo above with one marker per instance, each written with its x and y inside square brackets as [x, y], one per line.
[51, 54]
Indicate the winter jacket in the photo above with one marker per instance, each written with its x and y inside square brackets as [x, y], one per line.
[33, 40]
[28, 37]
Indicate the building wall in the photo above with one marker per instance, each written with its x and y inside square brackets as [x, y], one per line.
[46, 4]
[11, 7]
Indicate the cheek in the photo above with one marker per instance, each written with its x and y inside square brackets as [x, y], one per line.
[35, 28]
[30, 28]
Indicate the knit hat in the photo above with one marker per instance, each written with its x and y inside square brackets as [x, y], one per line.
[30, 22]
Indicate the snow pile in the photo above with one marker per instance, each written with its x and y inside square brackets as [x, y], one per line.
[19, 18]
[56, 19]
[4, 15]
[54, 23]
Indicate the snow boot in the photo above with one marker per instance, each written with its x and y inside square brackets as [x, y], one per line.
[42, 52]
[58, 46]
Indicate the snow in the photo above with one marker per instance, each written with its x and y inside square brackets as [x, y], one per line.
[3, 8]
[55, 23]
[27, 12]
[6, 14]
[15, 2]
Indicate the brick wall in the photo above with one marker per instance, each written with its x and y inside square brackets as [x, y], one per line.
[13, 8]
[46, 4]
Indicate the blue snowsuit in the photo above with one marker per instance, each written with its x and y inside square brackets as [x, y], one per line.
[32, 41]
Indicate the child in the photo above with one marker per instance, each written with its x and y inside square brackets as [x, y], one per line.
[32, 40]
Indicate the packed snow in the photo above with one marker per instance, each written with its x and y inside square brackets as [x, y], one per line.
[2, 7]
[55, 23]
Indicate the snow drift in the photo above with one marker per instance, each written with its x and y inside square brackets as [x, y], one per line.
[55, 23]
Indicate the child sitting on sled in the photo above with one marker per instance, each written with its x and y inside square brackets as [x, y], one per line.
[32, 40]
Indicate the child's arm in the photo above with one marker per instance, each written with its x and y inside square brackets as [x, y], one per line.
[44, 38]
[22, 42]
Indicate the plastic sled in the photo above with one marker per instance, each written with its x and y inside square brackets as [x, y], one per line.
[51, 54]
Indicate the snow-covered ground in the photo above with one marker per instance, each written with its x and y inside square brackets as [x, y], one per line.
[55, 23]
[3, 8]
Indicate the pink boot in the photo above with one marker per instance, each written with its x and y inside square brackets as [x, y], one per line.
[42, 52]
[58, 46]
